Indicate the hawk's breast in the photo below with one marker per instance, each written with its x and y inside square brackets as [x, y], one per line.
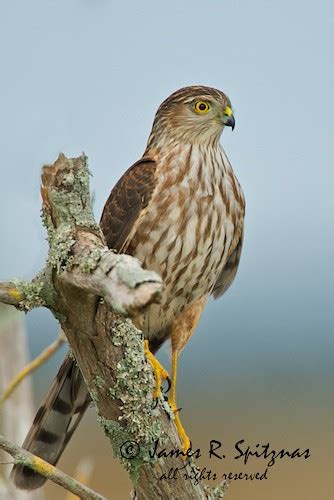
[187, 230]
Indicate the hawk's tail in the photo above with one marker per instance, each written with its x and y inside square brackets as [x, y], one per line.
[55, 422]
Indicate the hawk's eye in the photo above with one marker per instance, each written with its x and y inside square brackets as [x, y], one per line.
[202, 107]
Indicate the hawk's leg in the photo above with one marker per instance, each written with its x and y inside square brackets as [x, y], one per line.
[182, 329]
[172, 403]
[159, 372]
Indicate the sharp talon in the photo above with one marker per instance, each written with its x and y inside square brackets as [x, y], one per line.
[155, 403]
[169, 382]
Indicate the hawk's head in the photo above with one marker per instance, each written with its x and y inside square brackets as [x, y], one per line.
[193, 114]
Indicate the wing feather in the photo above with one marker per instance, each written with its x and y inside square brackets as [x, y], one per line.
[227, 274]
[126, 201]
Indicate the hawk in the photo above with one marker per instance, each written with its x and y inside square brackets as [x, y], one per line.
[180, 211]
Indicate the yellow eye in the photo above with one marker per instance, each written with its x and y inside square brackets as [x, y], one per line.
[202, 107]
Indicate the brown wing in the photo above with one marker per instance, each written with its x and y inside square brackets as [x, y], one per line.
[127, 199]
[228, 272]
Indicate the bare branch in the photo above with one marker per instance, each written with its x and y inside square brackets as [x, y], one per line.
[119, 279]
[9, 294]
[23, 457]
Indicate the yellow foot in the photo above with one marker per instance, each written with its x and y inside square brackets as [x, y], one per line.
[180, 429]
[159, 372]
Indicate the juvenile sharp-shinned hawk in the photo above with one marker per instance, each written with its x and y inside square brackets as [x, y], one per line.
[180, 211]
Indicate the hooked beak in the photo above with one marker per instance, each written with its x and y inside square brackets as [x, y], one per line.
[228, 118]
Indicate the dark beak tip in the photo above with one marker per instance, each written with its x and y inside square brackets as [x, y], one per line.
[230, 122]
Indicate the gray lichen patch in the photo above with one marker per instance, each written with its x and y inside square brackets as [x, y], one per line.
[48, 292]
[99, 382]
[218, 492]
[21, 459]
[140, 420]
[135, 384]
[71, 201]
[127, 450]
[31, 292]
[61, 242]
[94, 395]
[71, 208]
[47, 223]
[89, 263]
[68, 179]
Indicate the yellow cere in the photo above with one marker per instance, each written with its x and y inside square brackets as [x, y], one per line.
[202, 107]
[228, 111]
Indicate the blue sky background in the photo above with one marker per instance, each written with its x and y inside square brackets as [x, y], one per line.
[89, 75]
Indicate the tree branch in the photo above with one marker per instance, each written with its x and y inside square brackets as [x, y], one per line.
[23, 457]
[9, 294]
[80, 270]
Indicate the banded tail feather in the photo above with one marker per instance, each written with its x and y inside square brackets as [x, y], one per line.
[55, 421]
